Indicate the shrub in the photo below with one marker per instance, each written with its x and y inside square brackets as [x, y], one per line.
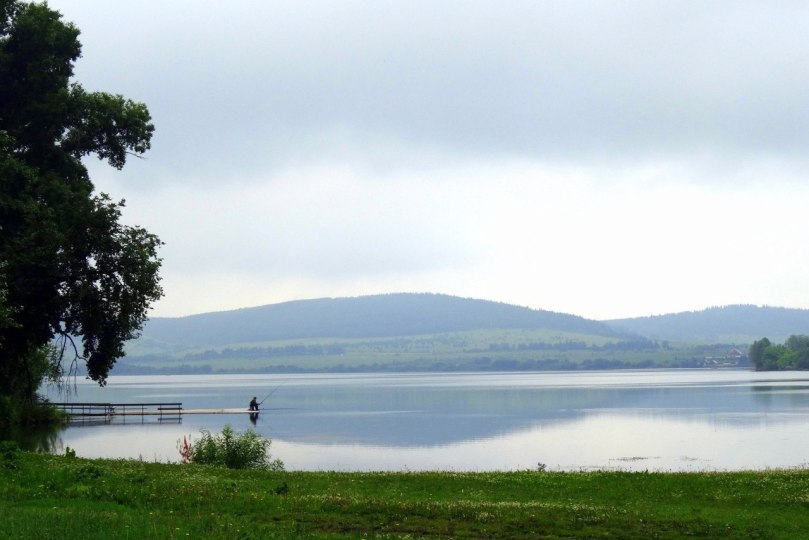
[27, 413]
[247, 450]
[9, 454]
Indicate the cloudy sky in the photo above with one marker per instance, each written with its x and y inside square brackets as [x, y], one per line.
[607, 159]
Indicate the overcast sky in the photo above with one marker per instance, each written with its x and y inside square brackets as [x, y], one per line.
[607, 159]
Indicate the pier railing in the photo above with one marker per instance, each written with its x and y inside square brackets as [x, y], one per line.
[158, 409]
[173, 410]
[85, 409]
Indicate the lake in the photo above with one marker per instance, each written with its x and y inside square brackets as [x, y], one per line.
[677, 420]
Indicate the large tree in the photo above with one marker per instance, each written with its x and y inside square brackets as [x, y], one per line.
[69, 269]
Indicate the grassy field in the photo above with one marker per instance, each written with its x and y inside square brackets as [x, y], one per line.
[455, 351]
[45, 496]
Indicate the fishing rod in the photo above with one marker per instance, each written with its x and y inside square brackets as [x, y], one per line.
[268, 395]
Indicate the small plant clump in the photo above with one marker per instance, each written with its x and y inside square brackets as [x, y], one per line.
[247, 450]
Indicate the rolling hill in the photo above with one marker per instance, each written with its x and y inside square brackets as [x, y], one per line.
[428, 332]
[729, 324]
[389, 315]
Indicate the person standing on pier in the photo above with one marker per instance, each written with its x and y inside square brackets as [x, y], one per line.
[253, 404]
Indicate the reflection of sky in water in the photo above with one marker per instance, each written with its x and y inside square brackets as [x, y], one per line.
[678, 420]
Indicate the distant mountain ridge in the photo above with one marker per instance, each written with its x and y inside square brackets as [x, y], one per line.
[411, 314]
[388, 315]
[435, 332]
[736, 323]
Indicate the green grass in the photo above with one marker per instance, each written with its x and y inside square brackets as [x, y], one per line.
[454, 351]
[45, 496]
[447, 341]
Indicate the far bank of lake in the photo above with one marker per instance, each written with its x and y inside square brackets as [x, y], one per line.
[629, 420]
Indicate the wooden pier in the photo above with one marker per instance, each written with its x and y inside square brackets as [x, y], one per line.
[161, 410]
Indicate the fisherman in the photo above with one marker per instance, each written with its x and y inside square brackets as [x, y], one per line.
[254, 404]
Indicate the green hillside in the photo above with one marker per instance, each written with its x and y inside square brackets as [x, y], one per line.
[396, 332]
[729, 324]
[389, 315]
[431, 332]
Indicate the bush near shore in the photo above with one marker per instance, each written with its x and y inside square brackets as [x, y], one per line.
[46, 496]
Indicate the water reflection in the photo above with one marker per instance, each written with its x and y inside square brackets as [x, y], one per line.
[36, 438]
[678, 420]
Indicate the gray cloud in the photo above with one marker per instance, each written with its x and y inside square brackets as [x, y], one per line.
[600, 158]
[255, 86]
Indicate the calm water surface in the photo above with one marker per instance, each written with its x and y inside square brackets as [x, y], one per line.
[630, 420]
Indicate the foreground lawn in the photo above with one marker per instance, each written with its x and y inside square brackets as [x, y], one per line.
[44, 497]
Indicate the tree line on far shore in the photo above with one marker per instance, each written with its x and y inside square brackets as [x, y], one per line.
[791, 355]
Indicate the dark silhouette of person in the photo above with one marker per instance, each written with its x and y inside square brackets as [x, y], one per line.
[253, 404]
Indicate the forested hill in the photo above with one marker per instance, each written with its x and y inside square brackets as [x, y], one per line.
[729, 324]
[387, 315]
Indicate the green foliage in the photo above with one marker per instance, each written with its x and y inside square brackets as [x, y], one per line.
[6, 312]
[756, 353]
[69, 267]
[14, 412]
[9, 454]
[792, 355]
[247, 450]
